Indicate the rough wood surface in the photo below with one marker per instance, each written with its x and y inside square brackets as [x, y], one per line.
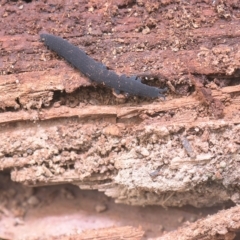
[114, 233]
[57, 126]
[222, 225]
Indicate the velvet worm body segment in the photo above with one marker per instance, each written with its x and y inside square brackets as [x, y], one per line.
[96, 71]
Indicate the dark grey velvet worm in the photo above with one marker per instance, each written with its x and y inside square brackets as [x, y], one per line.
[96, 71]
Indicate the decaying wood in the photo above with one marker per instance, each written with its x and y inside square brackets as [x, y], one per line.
[58, 127]
[222, 225]
[128, 233]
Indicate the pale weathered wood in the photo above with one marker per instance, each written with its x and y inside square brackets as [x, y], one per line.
[128, 233]
[222, 225]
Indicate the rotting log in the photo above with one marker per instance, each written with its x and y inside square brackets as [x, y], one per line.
[113, 233]
[58, 127]
[222, 225]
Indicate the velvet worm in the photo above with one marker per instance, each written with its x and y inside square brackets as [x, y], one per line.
[97, 72]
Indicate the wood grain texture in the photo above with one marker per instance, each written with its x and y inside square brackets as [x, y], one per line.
[58, 127]
[222, 225]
